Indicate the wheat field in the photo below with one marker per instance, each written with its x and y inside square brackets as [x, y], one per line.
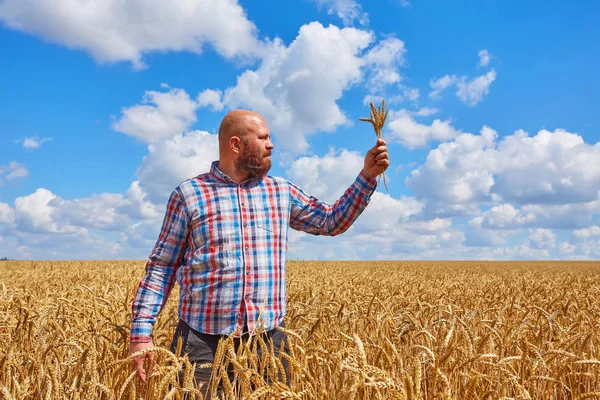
[357, 330]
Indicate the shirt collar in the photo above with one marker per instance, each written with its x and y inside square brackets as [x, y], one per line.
[219, 175]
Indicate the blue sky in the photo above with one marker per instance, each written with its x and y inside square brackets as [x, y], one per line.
[492, 133]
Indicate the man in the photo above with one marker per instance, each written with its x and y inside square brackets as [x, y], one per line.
[224, 239]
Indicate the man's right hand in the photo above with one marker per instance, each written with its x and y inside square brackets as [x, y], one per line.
[138, 362]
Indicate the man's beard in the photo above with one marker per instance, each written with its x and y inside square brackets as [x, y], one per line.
[253, 162]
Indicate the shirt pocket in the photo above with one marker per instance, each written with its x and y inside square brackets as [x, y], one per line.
[263, 215]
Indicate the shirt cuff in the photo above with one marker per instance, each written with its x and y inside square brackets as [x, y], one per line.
[140, 333]
[365, 184]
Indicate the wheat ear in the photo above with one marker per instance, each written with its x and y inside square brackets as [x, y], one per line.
[377, 119]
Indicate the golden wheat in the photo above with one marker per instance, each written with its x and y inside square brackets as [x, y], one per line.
[357, 330]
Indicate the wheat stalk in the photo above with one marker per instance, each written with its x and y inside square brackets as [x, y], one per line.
[377, 119]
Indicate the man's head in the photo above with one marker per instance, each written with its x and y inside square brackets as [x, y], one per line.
[245, 143]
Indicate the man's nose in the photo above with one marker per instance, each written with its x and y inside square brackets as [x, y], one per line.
[270, 145]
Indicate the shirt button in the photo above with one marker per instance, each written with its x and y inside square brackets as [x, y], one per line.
[247, 248]
[248, 272]
[245, 225]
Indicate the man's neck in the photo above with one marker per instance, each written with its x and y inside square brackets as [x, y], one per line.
[228, 168]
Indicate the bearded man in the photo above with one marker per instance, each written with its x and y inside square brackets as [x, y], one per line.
[224, 240]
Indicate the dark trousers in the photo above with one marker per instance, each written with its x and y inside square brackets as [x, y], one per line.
[201, 349]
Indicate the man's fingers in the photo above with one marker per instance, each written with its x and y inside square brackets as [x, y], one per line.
[138, 365]
[381, 156]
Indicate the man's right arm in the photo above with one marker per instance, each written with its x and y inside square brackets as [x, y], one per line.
[166, 257]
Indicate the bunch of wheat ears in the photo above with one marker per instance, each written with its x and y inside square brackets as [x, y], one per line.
[377, 119]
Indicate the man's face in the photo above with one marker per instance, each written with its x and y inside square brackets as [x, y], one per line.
[255, 155]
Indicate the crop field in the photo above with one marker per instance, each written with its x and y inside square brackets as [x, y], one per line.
[363, 330]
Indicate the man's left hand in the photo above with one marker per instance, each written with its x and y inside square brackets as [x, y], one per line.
[376, 159]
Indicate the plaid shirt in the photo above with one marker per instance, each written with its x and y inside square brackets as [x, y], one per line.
[226, 245]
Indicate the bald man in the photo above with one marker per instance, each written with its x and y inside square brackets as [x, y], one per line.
[224, 240]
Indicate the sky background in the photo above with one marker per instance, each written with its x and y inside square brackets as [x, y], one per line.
[493, 131]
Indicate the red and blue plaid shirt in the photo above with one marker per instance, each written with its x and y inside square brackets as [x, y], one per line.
[226, 245]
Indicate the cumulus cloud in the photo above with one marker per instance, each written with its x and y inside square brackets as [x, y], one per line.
[7, 214]
[388, 228]
[484, 58]
[384, 59]
[347, 10]
[326, 177]
[173, 160]
[540, 238]
[11, 171]
[473, 91]
[585, 233]
[566, 248]
[212, 98]
[114, 30]
[506, 216]
[44, 212]
[161, 115]
[296, 88]
[35, 214]
[43, 225]
[553, 168]
[404, 129]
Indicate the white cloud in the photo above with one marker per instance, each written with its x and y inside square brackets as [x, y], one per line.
[43, 212]
[441, 84]
[115, 30]
[173, 160]
[388, 227]
[550, 168]
[585, 233]
[505, 216]
[7, 214]
[523, 251]
[35, 214]
[473, 91]
[406, 93]
[385, 213]
[34, 142]
[347, 10]
[211, 98]
[384, 60]
[13, 170]
[296, 87]
[411, 94]
[424, 112]
[326, 177]
[405, 130]
[404, 3]
[566, 248]
[484, 58]
[540, 238]
[161, 115]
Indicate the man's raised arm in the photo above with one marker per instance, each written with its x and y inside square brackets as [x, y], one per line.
[309, 214]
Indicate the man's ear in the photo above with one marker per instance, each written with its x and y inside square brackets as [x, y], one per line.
[234, 144]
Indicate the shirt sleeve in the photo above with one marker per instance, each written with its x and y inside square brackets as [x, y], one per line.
[310, 215]
[154, 289]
